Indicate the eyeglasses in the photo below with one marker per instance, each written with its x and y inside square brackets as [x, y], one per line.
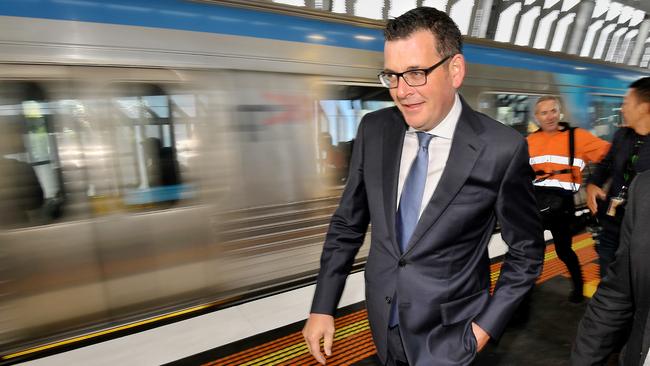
[415, 77]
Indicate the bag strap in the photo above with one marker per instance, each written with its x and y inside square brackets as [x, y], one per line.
[572, 151]
[572, 148]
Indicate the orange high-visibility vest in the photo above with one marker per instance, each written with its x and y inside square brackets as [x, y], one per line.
[549, 153]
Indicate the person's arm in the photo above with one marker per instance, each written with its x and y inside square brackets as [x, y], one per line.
[593, 149]
[611, 309]
[344, 238]
[602, 171]
[594, 193]
[521, 230]
[319, 326]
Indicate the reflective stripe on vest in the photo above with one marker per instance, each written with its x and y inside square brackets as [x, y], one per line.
[556, 159]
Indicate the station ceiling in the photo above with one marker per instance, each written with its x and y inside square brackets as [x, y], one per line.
[609, 30]
[639, 4]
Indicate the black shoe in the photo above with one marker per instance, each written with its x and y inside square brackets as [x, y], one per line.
[576, 297]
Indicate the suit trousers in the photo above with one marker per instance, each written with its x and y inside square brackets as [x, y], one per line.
[396, 353]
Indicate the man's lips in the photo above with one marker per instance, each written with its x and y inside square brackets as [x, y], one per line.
[412, 105]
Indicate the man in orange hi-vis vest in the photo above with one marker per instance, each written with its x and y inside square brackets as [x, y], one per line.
[558, 176]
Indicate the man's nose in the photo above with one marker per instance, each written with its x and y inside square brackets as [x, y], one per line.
[403, 88]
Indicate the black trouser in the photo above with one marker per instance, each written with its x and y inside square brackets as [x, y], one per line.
[559, 223]
[396, 353]
[607, 242]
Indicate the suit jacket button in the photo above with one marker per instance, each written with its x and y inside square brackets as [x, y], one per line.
[388, 299]
[401, 263]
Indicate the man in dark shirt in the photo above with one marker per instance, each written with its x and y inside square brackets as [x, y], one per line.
[629, 155]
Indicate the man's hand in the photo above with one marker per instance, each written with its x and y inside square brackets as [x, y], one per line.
[594, 192]
[319, 326]
[481, 337]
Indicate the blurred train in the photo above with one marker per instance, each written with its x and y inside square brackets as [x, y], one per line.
[161, 154]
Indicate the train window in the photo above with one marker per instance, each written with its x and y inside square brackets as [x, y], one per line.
[147, 138]
[85, 152]
[339, 113]
[605, 115]
[31, 190]
[514, 110]
[184, 112]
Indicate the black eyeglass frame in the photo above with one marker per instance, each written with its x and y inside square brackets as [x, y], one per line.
[399, 75]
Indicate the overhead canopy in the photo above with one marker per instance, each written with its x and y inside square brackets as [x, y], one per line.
[615, 31]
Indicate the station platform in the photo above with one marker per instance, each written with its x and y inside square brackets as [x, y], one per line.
[541, 333]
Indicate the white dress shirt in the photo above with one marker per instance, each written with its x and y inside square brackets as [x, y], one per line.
[439, 148]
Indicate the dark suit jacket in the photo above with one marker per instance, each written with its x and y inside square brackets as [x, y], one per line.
[443, 279]
[618, 312]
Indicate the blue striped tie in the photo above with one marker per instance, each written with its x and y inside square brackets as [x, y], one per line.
[410, 202]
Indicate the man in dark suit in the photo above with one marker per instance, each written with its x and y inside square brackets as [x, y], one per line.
[433, 177]
[618, 312]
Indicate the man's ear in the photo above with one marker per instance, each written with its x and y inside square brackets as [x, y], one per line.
[457, 70]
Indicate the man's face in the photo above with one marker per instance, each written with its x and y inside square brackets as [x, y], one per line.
[547, 114]
[423, 106]
[633, 109]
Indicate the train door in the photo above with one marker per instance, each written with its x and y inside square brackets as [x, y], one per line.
[48, 254]
[119, 228]
[152, 228]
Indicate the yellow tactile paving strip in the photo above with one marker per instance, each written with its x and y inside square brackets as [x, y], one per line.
[583, 245]
[352, 340]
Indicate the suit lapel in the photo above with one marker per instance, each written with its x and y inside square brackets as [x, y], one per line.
[465, 150]
[393, 139]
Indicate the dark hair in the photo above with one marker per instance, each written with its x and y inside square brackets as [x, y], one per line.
[448, 38]
[642, 89]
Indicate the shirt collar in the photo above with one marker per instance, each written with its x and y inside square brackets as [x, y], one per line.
[445, 129]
